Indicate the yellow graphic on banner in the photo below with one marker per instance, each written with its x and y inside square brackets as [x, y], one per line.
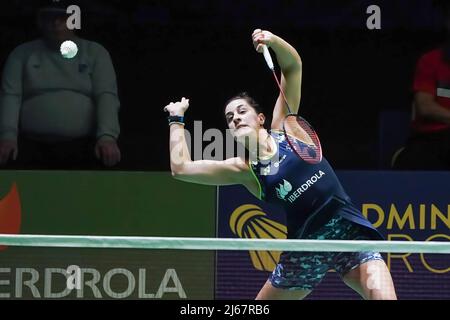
[250, 222]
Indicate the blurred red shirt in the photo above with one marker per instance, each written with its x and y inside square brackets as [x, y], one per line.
[432, 76]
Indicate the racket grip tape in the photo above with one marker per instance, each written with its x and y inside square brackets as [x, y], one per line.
[268, 58]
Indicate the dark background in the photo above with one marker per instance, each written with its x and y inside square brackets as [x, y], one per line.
[163, 50]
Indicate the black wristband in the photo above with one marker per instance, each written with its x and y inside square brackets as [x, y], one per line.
[176, 119]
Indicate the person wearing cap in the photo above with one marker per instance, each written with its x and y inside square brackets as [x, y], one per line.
[55, 112]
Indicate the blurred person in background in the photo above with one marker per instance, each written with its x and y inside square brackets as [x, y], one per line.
[58, 112]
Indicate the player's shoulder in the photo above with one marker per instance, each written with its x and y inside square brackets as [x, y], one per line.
[278, 135]
[276, 132]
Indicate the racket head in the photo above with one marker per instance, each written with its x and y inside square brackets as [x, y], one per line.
[302, 138]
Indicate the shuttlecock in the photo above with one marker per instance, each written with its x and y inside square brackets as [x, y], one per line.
[69, 49]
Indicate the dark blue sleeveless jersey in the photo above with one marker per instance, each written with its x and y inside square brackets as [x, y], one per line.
[309, 193]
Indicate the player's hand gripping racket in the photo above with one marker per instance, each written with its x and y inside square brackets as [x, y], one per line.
[300, 135]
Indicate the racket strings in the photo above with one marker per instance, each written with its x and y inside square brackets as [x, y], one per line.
[303, 139]
[301, 136]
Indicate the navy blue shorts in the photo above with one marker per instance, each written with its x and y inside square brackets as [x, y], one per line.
[305, 270]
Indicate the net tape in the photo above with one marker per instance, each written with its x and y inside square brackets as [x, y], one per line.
[176, 243]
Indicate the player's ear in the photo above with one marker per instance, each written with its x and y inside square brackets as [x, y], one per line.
[262, 119]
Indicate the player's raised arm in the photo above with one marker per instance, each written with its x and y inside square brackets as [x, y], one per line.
[291, 72]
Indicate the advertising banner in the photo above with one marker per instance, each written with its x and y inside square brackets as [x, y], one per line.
[105, 204]
[402, 205]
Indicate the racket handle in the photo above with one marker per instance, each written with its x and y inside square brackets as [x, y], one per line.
[268, 58]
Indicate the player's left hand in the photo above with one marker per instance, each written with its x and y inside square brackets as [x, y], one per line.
[177, 108]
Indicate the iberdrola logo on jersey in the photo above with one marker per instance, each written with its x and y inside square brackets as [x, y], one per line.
[284, 189]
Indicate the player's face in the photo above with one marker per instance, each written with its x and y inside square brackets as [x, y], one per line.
[242, 119]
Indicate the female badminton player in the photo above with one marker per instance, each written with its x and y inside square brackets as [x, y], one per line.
[285, 166]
